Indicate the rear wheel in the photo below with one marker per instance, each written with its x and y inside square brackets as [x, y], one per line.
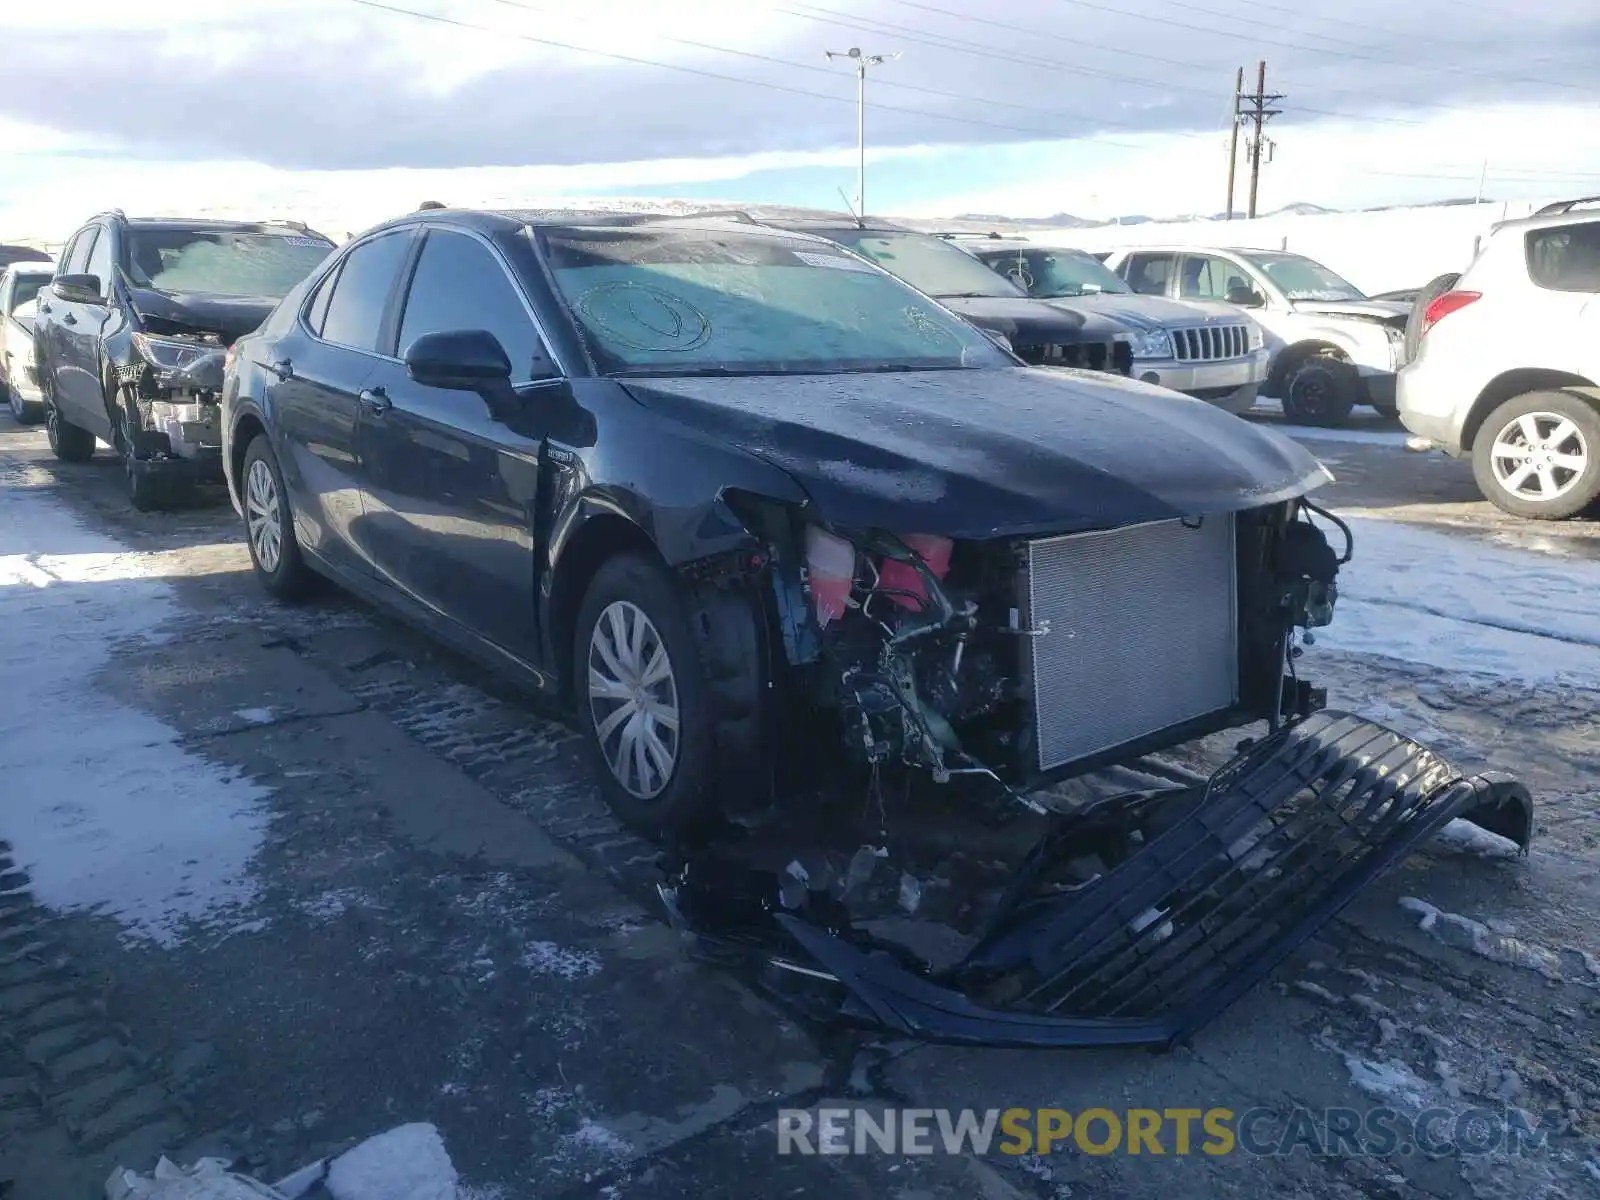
[68, 442]
[643, 703]
[1321, 391]
[1538, 455]
[269, 525]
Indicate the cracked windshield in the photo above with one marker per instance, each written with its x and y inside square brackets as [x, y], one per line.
[612, 601]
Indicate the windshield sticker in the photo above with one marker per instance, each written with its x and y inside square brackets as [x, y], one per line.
[644, 317]
[304, 241]
[837, 261]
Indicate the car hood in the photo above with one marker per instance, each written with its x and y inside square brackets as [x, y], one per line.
[1151, 312]
[987, 453]
[1381, 310]
[1029, 322]
[229, 317]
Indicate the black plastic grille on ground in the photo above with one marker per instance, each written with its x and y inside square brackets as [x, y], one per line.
[1187, 912]
[1240, 871]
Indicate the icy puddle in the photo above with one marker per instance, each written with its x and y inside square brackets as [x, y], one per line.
[106, 812]
[1456, 604]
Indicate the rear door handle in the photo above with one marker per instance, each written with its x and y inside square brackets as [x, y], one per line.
[283, 369]
[45, 308]
[69, 319]
[376, 401]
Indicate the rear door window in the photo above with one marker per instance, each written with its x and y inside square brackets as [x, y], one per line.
[1149, 274]
[1566, 258]
[317, 310]
[361, 293]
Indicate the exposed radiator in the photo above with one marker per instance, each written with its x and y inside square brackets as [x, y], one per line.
[1143, 633]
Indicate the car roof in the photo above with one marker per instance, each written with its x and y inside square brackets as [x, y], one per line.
[510, 220]
[29, 266]
[208, 225]
[1549, 220]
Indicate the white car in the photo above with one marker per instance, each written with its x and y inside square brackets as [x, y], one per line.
[1331, 347]
[1209, 350]
[1508, 362]
[19, 384]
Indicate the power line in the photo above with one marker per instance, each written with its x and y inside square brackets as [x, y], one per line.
[1376, 28]
[1258, 39]
[1043, 134]
[986, 50]
[910, 87]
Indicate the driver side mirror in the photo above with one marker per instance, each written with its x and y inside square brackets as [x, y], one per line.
[1246, 297]
[78, 289]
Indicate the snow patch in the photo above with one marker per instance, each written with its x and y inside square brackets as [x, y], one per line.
[547, 958]
[1433, 599]
[108, 813]
[407, 1163]
[1391, 1081]
[1464, 933]
[256, 716]
[596, 1139]
[1472, 839]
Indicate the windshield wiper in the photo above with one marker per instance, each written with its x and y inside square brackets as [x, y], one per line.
[972, 296]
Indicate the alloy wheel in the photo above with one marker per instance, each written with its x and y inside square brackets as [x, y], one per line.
[262, 518]
[1539, 456]
[633, 699]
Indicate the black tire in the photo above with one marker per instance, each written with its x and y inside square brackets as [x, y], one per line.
[1579, 491]
[289, 578]
[1437, 287]
[68, 442]
[1321, 391]
[688, 797]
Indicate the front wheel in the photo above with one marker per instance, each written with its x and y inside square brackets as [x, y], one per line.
[269, 525]
[1538, 455]
[1321, 391]
[643, 704]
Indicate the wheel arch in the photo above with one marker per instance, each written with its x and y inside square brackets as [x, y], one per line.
[247, 426]
[1291, 357]
[1514, 383]
[602, 536]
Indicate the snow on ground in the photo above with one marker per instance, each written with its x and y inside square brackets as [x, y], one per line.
[107, 812]
[407, 1163]
[1460, 605]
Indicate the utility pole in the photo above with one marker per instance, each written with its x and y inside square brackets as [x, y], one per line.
[1256, 108]
[862, 62]
[1233, 137]
[1483, 177]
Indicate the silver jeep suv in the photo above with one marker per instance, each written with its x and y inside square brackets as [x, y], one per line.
[1211, 351]
[1508, 362]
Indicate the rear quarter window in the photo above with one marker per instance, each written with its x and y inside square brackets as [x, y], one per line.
[1566, 258]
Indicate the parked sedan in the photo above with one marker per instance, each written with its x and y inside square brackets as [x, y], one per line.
[734, 490]
[20, 285]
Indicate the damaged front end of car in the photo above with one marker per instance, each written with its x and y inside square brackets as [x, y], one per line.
[1016, 663]
[169, 386]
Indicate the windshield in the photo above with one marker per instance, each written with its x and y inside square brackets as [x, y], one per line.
[1052, 274]
[266, 265]
[927, 263]
[1300, 278]
[26, 288]
[672, 301]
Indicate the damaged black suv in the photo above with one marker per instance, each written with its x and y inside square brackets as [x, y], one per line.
[750, 502]
[131, 336]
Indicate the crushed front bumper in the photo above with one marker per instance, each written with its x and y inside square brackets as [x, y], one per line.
[1207, 888]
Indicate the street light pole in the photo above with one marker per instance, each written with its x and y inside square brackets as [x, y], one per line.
[862, 62]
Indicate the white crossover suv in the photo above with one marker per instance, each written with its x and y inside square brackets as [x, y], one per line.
[1508, 361]
[1331, 347]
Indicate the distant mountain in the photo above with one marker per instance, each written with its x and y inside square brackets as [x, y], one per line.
[1300, 208]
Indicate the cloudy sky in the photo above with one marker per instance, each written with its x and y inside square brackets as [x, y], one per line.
[1095, 107]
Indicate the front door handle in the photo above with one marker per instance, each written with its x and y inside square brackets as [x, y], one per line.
[69, 319]
[283, 369]
[376, 401]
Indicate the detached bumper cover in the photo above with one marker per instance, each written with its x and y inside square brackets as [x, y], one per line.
[1221, 882]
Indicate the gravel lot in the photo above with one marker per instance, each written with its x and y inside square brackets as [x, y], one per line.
[285, 878]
